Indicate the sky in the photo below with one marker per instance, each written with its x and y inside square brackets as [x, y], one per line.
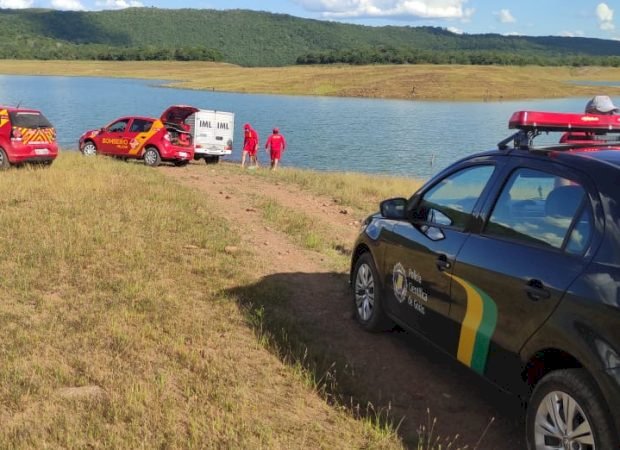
[583, 18]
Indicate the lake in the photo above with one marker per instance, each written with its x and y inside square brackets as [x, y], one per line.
[397, 137]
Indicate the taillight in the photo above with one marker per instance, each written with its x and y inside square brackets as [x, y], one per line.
[16, 134]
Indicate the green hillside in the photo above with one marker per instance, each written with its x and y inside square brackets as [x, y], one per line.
[249, 38]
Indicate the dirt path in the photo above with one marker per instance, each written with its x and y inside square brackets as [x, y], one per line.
[393, 370]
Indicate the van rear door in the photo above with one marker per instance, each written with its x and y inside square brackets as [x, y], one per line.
[213, 132]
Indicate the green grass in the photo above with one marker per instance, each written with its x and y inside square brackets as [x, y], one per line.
[360, 191]
[116, 277]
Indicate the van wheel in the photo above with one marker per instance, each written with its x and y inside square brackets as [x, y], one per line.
[368, 297]
[151, 157]
[89, 148]
[567, 411]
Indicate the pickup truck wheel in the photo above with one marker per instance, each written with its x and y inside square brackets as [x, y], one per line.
[212, 159]
[567, 412]
[4, 160]
[367, 296]
[89, 148]
[151, 157]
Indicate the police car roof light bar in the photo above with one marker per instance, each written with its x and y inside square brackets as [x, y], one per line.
[549, 121]
[532, 123]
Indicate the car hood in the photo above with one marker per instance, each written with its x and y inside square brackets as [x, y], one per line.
[178, 113]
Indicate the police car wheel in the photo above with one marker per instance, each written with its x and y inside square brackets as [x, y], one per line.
[367, 296]
[151, 157]
[89, 149]
[567, 411]
[4, 160]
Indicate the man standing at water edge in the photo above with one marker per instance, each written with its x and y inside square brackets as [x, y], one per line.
[250, 145]
[275, 145]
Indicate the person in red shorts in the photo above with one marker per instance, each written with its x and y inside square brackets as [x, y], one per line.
[250, 145]
[275, 145]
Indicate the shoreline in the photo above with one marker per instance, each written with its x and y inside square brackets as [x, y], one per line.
[401, 82]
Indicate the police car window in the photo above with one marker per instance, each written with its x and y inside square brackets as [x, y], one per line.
[140, 126]
[540, 208]
[451, 201]
[118, 126]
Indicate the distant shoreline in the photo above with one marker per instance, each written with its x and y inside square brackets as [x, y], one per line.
[406, 82]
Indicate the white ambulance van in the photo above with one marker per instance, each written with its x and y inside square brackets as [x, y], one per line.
[212, 133]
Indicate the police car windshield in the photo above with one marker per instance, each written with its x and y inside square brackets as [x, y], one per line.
[30, 119]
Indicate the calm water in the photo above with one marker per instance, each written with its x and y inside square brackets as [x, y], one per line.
[411, 138]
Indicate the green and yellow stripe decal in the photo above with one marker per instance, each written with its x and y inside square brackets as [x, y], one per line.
[477, 328]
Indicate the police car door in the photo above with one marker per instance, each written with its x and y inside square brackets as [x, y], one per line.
[421, 252]
[512, 275]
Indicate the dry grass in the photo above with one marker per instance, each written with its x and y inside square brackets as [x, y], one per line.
[356, 190]
[113, 279]
[417, 82]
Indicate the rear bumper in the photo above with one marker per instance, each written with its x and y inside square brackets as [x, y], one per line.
[172, 152]
[200, 153]
[20, 153]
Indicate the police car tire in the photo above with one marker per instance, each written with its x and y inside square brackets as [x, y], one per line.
[579, 385]
[378, 320]
[152, 162]
[4, 160]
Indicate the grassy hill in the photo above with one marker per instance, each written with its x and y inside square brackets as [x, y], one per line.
[244, 37]
[120, 329]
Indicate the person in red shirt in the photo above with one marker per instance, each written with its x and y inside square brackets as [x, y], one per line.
[275, 145]
[250, 145]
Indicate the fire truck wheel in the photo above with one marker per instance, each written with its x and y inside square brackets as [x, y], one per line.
[151, 157]
[4, 160]
[89, 148]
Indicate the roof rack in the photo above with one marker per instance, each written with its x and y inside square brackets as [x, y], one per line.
[533, 123]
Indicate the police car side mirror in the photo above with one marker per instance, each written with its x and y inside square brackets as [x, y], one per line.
[394, 208]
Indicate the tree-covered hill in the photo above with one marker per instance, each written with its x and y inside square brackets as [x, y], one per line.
[252, 38]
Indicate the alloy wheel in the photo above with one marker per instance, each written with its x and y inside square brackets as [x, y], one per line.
[561, 424]
[364, 292]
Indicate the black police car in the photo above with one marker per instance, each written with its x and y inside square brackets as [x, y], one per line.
[509, 260]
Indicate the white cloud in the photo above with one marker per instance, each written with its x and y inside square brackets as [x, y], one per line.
[454, 30]
[604, 13]
[505, 16]
[119, 4]
[425, 9]
[513, 33]
[68, 5]
[605, 17]
[16, 4]
[607, 26]
[577, 33]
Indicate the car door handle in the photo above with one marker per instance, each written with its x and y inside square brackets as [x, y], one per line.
[442, 263]
[536, 290]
